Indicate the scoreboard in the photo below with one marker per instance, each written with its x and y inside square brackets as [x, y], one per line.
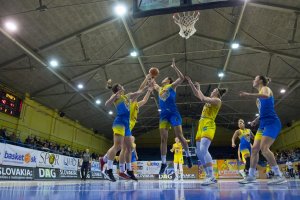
[10, 104]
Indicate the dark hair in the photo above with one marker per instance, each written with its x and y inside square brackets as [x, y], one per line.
[222, 91]
[170, 79]
[265, 80]
[115, 88]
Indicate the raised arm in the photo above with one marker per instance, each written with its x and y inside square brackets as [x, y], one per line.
[180, 78]
[198, 93]
[235, 135]
[146, 97]
[145, 82]
[265, 93]
[135, 95]
[113, 98]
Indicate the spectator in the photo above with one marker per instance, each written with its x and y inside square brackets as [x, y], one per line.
[3, 133]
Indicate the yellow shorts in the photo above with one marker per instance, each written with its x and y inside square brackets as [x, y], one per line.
[164, 125]
[244, 152]
[258, 135]
[206, 128]
[178, 159]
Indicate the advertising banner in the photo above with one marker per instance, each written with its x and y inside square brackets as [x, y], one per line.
[202, 172]
[95, 166]
[69, 174]
[69, 163]
[148, 167]
[16, 173]
[47, 173]
[19, 156]
[2, 148]
[49, 160]
[97, 175]
[228, 168]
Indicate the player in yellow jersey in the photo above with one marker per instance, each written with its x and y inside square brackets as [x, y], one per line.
[245, 146]
[178, 158]
[207, 127]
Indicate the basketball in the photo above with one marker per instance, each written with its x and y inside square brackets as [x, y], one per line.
[153, 71]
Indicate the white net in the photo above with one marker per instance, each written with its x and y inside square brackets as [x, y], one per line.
[186, 22]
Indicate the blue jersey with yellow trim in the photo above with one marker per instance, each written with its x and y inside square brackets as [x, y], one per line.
[245, 136]
[266, 108]
[122, 106]
[167, 99]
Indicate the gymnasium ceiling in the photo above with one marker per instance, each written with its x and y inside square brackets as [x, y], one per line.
[92, 45]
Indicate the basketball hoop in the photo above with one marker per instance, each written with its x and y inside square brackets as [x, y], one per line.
[186, 23]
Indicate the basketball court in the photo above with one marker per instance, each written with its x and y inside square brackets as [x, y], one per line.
[60, 61]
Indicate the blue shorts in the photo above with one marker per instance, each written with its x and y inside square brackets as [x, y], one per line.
[270, 127]
[168, 119]
[245, 146]
[121, 126]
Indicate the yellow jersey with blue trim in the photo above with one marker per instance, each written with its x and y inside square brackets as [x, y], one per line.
[122, 105]
[177, 149]
[210, 111]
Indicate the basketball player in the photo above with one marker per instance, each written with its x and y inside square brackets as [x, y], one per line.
[169, 116]
[120, 127]
[269, 126]
[178, 158]
[126, 152]
[245, 145]
[134, 156]
[207, 127]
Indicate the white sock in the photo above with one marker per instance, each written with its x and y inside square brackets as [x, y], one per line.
[175, 169]
[276, 170]
[122, 167]
[105, 158]
[164, 159]
[128, 166]
[252, 172]
[110, 164]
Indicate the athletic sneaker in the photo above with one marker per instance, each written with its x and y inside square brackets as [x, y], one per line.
[181, 177]
[189, 162]
[242, 173]
[124, 175]
[109, 175]
[131, 175]
[248, 179]
[175, 178]
[102, 163]
[277, 180]
[163, 168]
[209, 181]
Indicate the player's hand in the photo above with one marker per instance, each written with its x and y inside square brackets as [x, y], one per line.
[197, 84]
[243, 94]
[173, 65]
[233, 145]
[137, 158]
[240, 160]
[253, 123]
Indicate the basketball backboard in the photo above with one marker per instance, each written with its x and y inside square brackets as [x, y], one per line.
[145, 8]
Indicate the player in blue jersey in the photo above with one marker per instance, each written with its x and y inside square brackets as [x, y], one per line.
[269, 126]
[121, 127]
[169, 116]
[244, 135]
